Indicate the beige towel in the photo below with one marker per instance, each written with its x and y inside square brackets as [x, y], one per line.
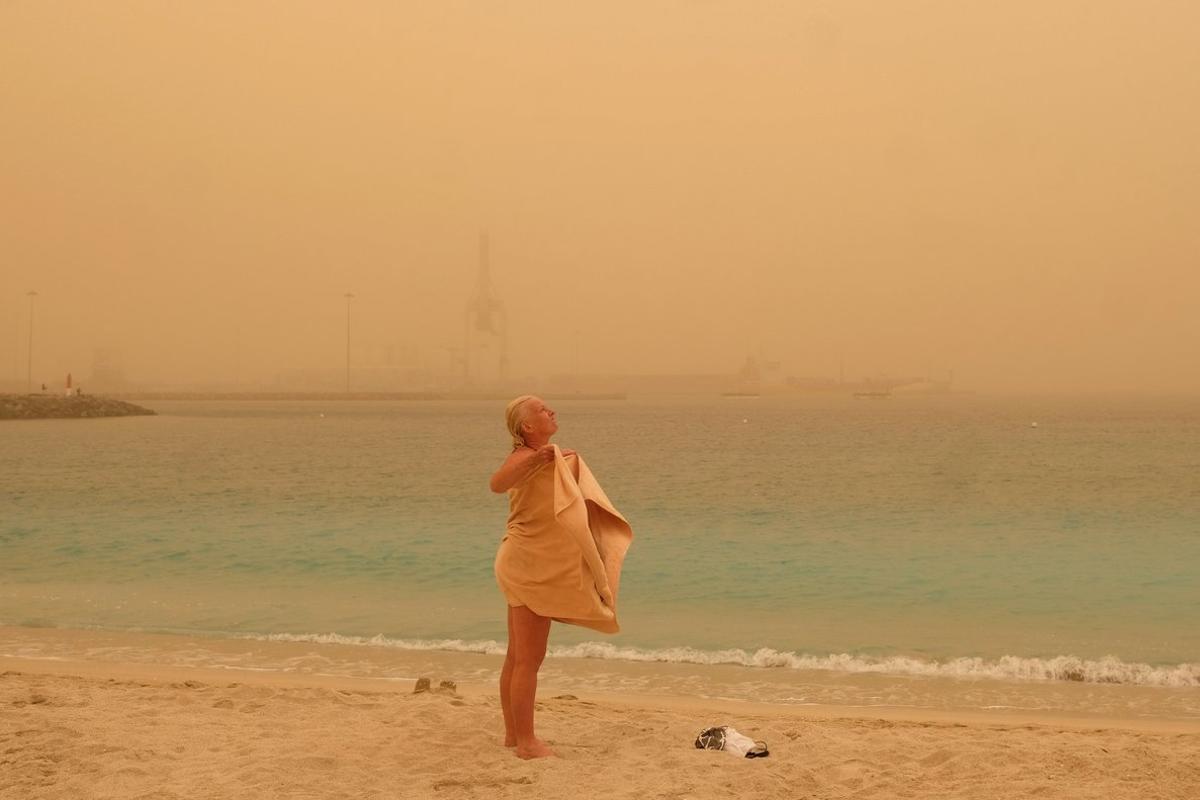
[562, 553]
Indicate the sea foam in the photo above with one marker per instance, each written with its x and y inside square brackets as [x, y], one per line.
[1108, 669]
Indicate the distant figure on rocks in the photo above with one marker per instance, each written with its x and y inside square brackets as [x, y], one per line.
[560, 558]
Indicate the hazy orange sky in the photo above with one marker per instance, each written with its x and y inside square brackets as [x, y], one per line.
[1009, 190]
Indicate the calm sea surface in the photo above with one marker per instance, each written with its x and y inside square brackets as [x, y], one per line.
[943, 536]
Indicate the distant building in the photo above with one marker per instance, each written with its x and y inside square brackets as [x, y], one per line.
[485, 359]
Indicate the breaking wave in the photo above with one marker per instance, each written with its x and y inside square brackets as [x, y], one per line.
[1110, 670]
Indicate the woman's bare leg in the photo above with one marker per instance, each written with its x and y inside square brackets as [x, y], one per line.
[510, 729]
[527, 648]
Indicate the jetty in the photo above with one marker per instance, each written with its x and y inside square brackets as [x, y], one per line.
[74, 406]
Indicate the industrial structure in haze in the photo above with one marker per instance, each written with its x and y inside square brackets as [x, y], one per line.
[485, 349]
[479, 365]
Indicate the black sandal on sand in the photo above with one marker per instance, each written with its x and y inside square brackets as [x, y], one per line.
[759, 750]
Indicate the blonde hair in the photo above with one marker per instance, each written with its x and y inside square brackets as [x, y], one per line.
[513, 417]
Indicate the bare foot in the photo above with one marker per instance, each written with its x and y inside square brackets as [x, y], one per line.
[537, 749]
[510, 741]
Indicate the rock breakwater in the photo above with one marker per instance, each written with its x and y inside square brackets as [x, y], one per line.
[45, 406]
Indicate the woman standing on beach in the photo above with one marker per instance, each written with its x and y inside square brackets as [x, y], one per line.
[560, 558]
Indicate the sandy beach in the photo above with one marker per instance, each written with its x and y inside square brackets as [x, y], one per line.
[110, 730]
[816, 369]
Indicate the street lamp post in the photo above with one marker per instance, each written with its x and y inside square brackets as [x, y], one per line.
[29, 362]
[348, 297]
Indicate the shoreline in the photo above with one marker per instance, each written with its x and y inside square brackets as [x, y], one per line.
[818, 693]
[105, 730]
[697, 706]
[352, 396]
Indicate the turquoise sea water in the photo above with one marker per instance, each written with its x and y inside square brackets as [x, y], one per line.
[941, 536]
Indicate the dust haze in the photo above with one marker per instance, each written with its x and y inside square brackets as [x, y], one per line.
[1005, 191]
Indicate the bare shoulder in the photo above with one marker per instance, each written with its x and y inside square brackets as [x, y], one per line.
[516, 458]
[519, 455]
